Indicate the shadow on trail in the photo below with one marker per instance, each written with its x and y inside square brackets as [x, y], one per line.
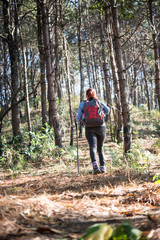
[76, 226]
[58, 184]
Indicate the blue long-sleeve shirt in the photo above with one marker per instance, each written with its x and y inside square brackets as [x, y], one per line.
[79, 116]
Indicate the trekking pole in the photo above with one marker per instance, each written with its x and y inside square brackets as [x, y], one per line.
[77, 145]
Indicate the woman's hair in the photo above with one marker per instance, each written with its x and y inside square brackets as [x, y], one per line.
[91, 93]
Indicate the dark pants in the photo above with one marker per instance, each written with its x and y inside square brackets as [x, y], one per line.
[95, 137]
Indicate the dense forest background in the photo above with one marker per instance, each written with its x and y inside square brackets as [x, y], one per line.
[52, 51]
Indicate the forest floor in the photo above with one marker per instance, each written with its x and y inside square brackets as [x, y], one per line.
[58, 203]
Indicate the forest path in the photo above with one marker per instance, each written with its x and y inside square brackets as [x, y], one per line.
[48, 203]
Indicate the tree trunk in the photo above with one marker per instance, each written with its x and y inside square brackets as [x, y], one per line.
[67, 73]
[79, 24]
[96, 83]
[53, 119]
[32, 77]
[135, 86]
[42, 66]
[146, 84]
[117, 115]
[88, 69]
[5, 76]
[105, 68]
[119, 61]
[1, 143]
[92, 65]
[12, 40]
[156, 53]
[1, 91]
[26, 90]
[56, 46]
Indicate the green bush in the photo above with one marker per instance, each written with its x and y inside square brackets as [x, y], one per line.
[33, 147]
[104, 231]
[137, 159]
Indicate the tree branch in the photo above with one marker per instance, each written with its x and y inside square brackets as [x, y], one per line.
[138, 56]
[5, 109]
[132, 33]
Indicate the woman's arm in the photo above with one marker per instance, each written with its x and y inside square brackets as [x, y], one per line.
[106, 109]
[79, 116]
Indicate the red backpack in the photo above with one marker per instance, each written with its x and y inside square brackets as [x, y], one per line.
[93, 113]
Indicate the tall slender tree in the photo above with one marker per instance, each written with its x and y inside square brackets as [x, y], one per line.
[79, 26]
[117, 112]
[53, 118]
[156, 52]
[68, 80]
[105, 67]
[26, 89]
[122, 81]
[11, 36]
[42, 65]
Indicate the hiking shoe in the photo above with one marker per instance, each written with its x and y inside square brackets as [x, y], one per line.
[103, 169]
[95, 168]
[96, 171]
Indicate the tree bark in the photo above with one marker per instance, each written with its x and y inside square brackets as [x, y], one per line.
[105, 68]
[42, 65]
[53, 119]
[135, 87]
[88, 68]
[156, 53]
[119, 61]
[117, 115]
[79, 24]
[67, 73]
[12, 40]
[56, 46]
[93, 82]
[5, 75]
[146, 84]
[26, 90]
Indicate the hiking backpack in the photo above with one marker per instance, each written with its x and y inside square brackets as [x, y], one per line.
[93, 113]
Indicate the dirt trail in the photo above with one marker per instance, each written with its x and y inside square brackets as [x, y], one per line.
[50, 204]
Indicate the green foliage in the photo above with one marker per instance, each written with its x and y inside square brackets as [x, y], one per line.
[126, 8]
[105, 232]
[157, 126]
[10, 158]
[157, 143]
[156, 178]
[41, 144]
[17, 151]
[144, 123]
[98, 232]
[137, 159]
[126, 232]
[34, 148]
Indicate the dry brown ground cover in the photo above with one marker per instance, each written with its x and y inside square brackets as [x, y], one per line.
[51, 203]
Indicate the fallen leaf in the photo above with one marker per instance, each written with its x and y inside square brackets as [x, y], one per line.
[151, 206]
[98, 232]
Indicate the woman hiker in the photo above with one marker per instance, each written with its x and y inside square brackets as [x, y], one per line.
[92, 113]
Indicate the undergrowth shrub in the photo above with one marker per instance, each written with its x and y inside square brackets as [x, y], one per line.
[156, 178]
[157, 126]
[39, 145]
[33, 148]
[103, 231]
[142, 117]
[136, 160]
